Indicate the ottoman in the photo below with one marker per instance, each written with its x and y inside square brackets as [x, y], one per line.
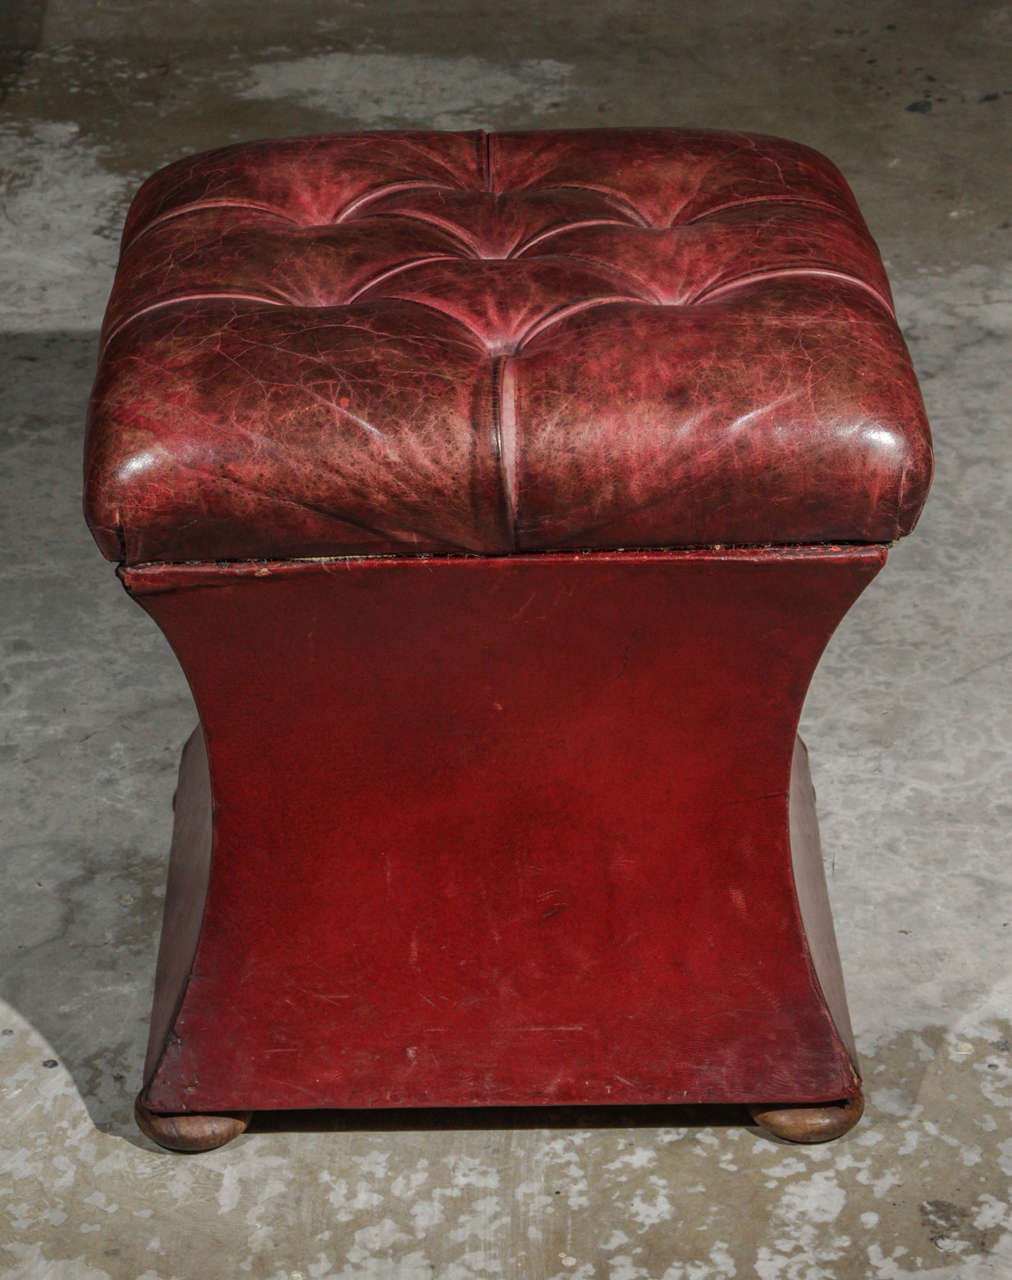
[498, 495]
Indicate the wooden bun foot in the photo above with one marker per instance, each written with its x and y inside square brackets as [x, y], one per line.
[808, 1123]
[185, 1132]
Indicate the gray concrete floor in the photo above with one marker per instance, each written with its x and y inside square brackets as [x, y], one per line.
[907, 719]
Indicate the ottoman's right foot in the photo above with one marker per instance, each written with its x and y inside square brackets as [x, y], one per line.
[809, 1123]
[186, 1132]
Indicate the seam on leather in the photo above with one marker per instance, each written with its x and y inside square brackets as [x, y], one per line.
[191, 297]
[504, 439]
[485, 159]
[629, 278]
[488, 141]
[451, 230]
[810, 203]
[391, 272]
[560, 314]
[521, 250]
[616, 197]
[341, 216]
[900, 494]
[481, 344]
[198, 206]
[776, 273]
[379, 531]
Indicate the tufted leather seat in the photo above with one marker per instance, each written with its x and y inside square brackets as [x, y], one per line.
[456, 827]
[445, 343]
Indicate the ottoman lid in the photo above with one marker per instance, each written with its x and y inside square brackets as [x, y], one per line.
[439, 343]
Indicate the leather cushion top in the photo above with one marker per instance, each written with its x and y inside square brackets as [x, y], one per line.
[425, 343]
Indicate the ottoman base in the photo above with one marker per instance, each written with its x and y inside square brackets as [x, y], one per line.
[485, 833]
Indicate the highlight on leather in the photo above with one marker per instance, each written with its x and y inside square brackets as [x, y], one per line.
[425, 343]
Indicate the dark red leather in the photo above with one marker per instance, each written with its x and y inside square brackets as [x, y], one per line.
[411, 343]
[497, 832]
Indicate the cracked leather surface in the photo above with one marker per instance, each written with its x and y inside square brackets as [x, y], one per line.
[459, 342]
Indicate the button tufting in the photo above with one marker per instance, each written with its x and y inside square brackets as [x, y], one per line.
[433, 342]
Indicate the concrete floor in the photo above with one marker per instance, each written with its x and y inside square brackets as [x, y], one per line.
[907, 719]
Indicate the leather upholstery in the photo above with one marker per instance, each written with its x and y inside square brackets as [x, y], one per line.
[443, 343]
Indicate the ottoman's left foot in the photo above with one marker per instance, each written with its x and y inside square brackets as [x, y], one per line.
[808, 1123]
[185, 1132]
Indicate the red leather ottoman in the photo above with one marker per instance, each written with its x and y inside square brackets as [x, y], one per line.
[498, 495]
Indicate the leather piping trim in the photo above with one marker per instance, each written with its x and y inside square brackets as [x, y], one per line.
[151, 577]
